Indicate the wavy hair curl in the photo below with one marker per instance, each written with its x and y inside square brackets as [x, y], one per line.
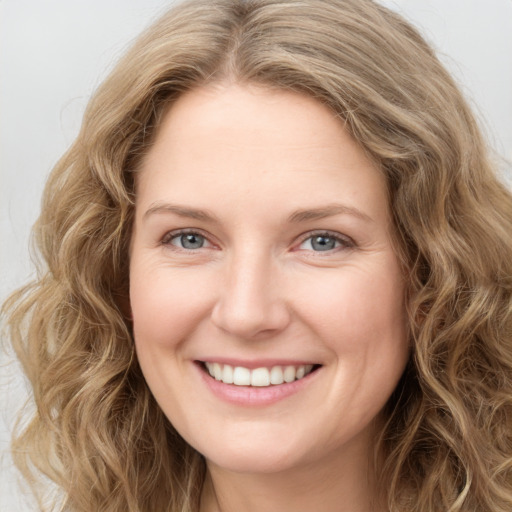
[98, 433]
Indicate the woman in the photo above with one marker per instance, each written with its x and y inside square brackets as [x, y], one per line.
[278, 276]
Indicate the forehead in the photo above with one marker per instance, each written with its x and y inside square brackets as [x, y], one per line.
[248, 143]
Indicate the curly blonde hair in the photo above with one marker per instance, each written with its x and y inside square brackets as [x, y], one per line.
[98, 433]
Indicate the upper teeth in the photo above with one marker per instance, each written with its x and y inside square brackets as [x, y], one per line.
[241, 376]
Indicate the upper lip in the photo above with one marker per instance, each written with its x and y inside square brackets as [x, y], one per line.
[251, 364]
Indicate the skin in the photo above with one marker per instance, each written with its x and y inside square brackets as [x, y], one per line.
[258, 289]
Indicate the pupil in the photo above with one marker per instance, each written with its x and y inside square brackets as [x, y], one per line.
[192, 241]
[323, 243]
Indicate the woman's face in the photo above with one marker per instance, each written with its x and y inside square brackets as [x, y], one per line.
[262, 253]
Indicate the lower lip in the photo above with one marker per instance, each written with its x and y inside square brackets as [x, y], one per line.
[253, 395]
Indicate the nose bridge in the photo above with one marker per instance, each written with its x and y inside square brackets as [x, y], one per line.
[250, 303]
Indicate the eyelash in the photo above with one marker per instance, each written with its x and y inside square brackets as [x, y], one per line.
[344, 241]
[171, 235]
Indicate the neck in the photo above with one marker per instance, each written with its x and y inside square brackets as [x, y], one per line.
[327, 487]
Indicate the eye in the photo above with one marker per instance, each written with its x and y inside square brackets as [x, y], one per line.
[188, 240]
[323, 242]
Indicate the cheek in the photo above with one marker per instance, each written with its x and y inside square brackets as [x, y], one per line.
[167, 307]
[356, 302]
[167, 304]
[362, 321]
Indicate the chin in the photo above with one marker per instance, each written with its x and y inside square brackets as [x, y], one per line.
[253, 454]
[253, 462]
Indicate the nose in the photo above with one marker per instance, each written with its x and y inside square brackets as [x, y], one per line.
[251, 303]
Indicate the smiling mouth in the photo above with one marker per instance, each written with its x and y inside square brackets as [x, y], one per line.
[258, 377]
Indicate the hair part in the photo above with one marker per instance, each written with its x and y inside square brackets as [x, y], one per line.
[97, 431]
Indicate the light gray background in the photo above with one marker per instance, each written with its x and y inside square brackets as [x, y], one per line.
[54, 53]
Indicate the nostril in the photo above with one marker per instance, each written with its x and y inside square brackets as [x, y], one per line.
[250, 319]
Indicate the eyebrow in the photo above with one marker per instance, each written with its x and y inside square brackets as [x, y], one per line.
[327, 211]
[296, 217]
[181, 211]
